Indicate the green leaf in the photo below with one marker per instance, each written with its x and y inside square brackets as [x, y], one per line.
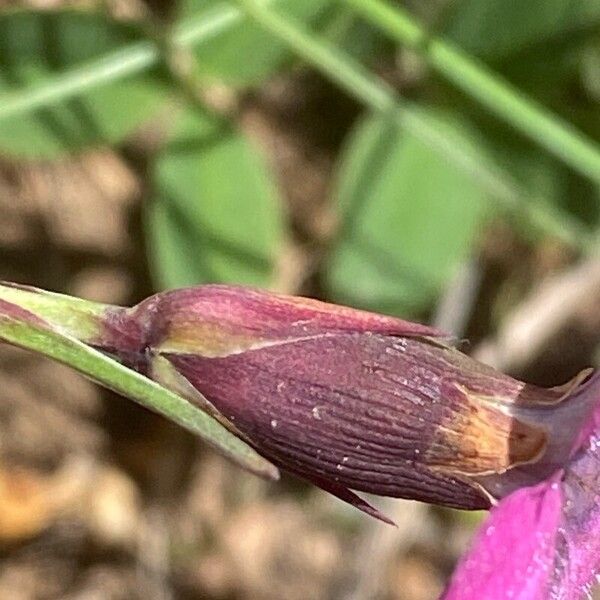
[355, 37]
[495, 29]
[36, 47]
[409, 217]
[216, 216]
[552, 187]
[245, 55]
[23, 328]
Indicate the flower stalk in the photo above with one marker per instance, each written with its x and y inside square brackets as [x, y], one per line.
[59, 327]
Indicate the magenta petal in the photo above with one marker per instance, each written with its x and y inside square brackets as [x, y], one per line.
[577, 560]
[513, 552]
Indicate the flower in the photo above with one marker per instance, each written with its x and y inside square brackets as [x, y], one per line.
[350, 400]
[541, 542]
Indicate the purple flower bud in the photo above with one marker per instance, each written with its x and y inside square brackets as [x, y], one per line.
[351, 400]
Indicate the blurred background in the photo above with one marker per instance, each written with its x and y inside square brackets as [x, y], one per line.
[437, 160]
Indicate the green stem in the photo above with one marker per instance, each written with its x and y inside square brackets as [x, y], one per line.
[336, 65]
[501, 98]
[380, 97]
[51, 325]
[71, 316]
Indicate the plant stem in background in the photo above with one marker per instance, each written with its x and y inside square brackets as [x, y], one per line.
[380, 97]
[179, 63]
[524, 114]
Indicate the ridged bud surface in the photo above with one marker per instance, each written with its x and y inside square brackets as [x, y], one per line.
[352, 400]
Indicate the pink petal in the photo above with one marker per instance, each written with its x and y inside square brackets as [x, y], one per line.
[577, 560]
[513, 552]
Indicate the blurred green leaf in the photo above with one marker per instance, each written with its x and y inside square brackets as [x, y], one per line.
[409, 217]
[357, 38]
[494, 29]
[216, 216]
[36, 47]
[245, 55]
[560, 197]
